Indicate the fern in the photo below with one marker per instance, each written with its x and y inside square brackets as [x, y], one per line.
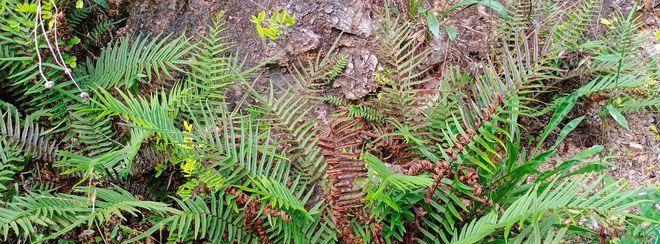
[337, 68]
[289, 114]
[28, 137]
[114, 202]
[18, 61]
[155, 114]
[37, 213]
[201, 220]
[213, 69]
[636, 105]
[559, 197]
[365, 112]
[418, 161]
[313, 76]
[128, 62]
[93, 133]
[277, 195]
[334, 100]
[10, 164]
[571, 32]
[115, 163]
[403, 74]
[78, 16]
[100, 29]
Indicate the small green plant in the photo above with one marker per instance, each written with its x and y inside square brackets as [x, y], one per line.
[437, 20]
[274, 26]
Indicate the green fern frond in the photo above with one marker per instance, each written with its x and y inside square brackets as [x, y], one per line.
[389, 179]
[337, 68]
[10, 161]
[335, 100]
[93, 133]
[101, 29]
[640, 104]
[156, 114]
[404, 68]
[136, 60]
[115, 163]
[215, 221]
[35, 214]
[571, 32]
[115, 201]
[366, 112]
[277, 195]
[288, 115]
[29, 137]
[75, 17]
[213, 68]
[310, 78]
[562, 198]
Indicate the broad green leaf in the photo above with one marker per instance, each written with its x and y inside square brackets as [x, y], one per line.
[560, 113]
[589, 152]
[590, 168]
[27, 8]
[433, 24]
[492, 4]
[567, 129]
[609, 57]
[79, 4]
[618, 117]
[451, 32]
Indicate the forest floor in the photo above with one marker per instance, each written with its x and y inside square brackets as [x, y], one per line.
[634, 153]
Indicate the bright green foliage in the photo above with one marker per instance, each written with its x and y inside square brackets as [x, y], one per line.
[391, 179]
[196, 220]
[29, 214]
[423, 159]
[542, 209]
[214, 69]
[277, 195]
[273, 26]
[136, 60]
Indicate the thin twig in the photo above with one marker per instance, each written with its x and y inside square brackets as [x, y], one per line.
[36, 45]
[54, 49]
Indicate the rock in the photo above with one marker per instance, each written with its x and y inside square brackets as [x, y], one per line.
[636, 147]
[302, 41]
[439, 49]
[359, 80]
[170, 17]
[350, 16]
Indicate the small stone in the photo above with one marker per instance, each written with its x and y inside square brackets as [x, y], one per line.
[636, 147]
[642, 158]
[303, 41]
[328, 9]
